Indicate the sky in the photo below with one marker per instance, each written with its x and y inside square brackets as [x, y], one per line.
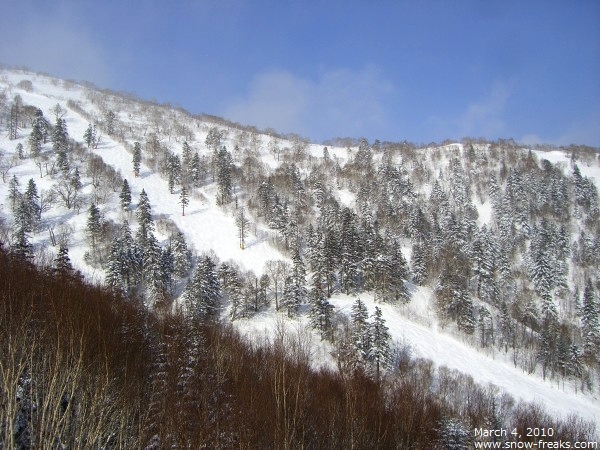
[422, 71]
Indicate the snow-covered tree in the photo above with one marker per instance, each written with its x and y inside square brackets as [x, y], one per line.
[186, 164]
[62, 262]
[89, 137]
[114, 271]
[173, 171]
[453, 434]
[232, 286]
[294, 291]
[181, 254]
[321, 311]
[224, 175]
[144, 219]
[32, 205]
[60, 135]
[196, 170]
[14, 194]
[379, 350]
[125, 196]
[590, 322]
[417, 264]
[94, 224]
[39, 131]
[137, 158]
[213, 139]
[110, 119]
[21, 246]
[203, 291]
[14, 117]
[360, 332]
[183, 199]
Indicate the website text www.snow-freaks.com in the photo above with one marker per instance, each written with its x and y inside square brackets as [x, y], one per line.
[537, 438]
[538, 445]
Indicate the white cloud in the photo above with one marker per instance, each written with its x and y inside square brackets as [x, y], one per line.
[339, 103]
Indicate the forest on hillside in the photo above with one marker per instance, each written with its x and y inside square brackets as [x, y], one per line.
[523, 280]
[505, 238]
[81, 367]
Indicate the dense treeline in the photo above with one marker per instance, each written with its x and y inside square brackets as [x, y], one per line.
[82, 368]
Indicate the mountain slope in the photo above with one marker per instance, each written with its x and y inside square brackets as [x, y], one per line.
[341, 177]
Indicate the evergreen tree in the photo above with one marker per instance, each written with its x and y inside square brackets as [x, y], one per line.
[360, 333]
[75, 180]
[166, 269]
[453, 299]
[153, 274]
[182, 255]
[350, 253]
[484, 256]
[21, 248]
[22, 220]
[14, 195]
[231, 284]
[183, 199]
[137, 158]
[575, 363]
[60, 135]
[62, 262]
[321, 311]
[507, 327]
[125, 196]
[379, 351]
[195, 170]
[213, 139]
[89, 137]
[264, 285]
[549, 334]
[294, 292]
[15, 111]
[144, 218]
[399, 274]
[417, 263]
[19, 151]
[132, 257]
[224, 182]
[590, 323]
[453, 434]
[186, 164]
[174, 172]
[114, 271]
[486, 326]
[94, 226]
[32, 206]
[109, 122]
[62, 160]
[203, 291]
[542, 273]
[36, 138]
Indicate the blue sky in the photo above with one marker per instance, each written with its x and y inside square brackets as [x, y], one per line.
[394, 70]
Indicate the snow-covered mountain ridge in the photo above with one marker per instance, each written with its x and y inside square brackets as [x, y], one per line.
[444, 209]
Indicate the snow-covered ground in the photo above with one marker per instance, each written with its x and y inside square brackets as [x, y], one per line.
[210, 228]
[415, 326]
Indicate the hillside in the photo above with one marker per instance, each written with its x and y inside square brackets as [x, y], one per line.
[481, 256]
